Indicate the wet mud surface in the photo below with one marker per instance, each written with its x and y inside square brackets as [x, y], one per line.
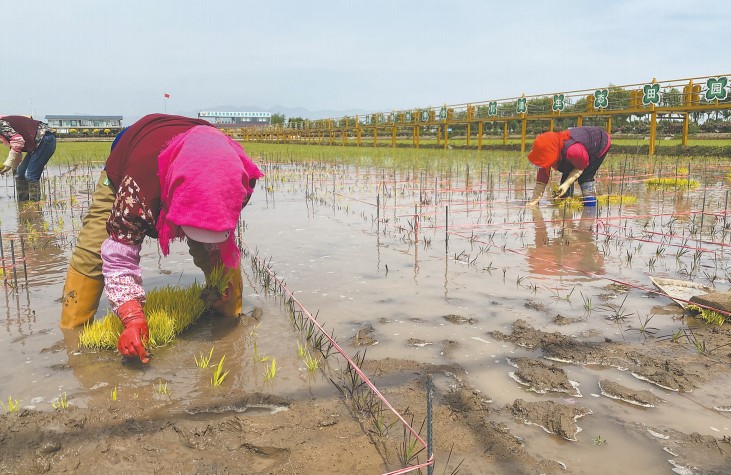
[614, 390]
[656, 364]
[519, 320]
[559, 419]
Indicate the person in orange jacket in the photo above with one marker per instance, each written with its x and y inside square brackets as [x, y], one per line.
[166, 177]
[577, 153]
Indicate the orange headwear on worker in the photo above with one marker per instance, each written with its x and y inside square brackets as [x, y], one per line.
[547, 148]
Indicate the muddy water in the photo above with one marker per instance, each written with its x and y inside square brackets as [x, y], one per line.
[369, 246]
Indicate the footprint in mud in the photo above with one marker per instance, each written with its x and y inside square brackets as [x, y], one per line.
[554, 418]
[643, 362]
[535, 306]
[448, 348]
[614, 390]
[542, 377]
[615, 287]
[561, 320]
[416, 342]
[459, 319]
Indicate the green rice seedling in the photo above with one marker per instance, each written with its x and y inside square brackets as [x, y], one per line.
[113, 395]
[301, 350]
[219, 279]
[617, 312]
[12, 406]
[380, 427]
[557, 295]
[169, 311]
[645, 329]
[599, 441]
[204, 360]
[672, 183]
[216, 284]
[605, 200]
[257, 357]
[253, 333]
[572, 203]
[408, 448]
[218, 374]
[709, 316]
[588, 307]
[489, 268]
[162, 388]
[312, 363]
[101, 334]
[270, 372]
[61, 402]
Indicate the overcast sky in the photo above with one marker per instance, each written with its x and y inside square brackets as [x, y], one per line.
[119, 58]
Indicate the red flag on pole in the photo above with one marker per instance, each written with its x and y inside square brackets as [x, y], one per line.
[167, 96]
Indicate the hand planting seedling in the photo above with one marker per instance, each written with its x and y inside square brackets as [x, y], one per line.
[217, 283]
[169, 310]
[188, 205]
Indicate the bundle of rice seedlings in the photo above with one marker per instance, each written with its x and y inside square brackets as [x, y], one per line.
[169, 311]
[672, 183]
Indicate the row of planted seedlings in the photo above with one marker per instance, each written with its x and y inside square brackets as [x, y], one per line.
[621, 200]
[344, 372]
[712, 210]
[655, 213]
[698, 252]
[619, 209]
[43, 225]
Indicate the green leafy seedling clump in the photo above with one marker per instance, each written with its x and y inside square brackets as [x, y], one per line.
[169, 311]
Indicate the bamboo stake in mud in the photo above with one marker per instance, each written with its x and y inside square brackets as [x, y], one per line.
[416, 224]
[446, 229]
[703, 213]
[378, 207]
[15, 271]
[25, 266]
[429, 441]
[621, 186]
[2, 250]
[725, 212]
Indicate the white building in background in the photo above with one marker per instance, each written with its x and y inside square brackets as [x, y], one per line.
[236, 119]
[62, 124]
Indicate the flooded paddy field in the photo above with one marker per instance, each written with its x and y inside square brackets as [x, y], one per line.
[550, 348]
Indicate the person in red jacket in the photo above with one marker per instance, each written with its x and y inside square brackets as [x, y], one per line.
[23, 134]
[166, 177]
[577, 153]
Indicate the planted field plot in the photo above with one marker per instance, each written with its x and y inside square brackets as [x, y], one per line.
[550, 348]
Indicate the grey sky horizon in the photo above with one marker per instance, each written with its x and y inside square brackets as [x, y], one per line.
[91, 57]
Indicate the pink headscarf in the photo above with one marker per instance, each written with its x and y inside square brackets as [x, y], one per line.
[204, 179]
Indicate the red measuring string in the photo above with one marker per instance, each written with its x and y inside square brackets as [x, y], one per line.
[363, 377]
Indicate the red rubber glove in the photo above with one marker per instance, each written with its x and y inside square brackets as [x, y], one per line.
[135, 333]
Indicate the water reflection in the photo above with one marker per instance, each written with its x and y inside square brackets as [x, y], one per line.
[43, 252]
[572, 250]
